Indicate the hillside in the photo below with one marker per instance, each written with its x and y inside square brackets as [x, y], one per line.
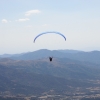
[59, 67]
[23, 81]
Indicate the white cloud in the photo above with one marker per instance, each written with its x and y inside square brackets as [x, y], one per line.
[28, 13]
[23, 19]
[4, 21]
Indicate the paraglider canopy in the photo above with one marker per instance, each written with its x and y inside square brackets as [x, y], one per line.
[49, 32]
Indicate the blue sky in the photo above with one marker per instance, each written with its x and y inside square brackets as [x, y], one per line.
[22, 20]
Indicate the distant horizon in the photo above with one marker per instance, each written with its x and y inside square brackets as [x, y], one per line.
[48, 49]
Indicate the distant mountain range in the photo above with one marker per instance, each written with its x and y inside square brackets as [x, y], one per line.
[93, 56]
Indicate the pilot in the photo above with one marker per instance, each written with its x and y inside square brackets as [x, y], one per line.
[50, 58]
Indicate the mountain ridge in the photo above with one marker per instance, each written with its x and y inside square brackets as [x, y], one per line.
[93, 56]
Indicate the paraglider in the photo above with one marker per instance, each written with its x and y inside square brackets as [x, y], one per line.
[49, 32]
[50, 58]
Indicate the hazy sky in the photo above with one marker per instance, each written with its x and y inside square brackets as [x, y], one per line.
[22, 20]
